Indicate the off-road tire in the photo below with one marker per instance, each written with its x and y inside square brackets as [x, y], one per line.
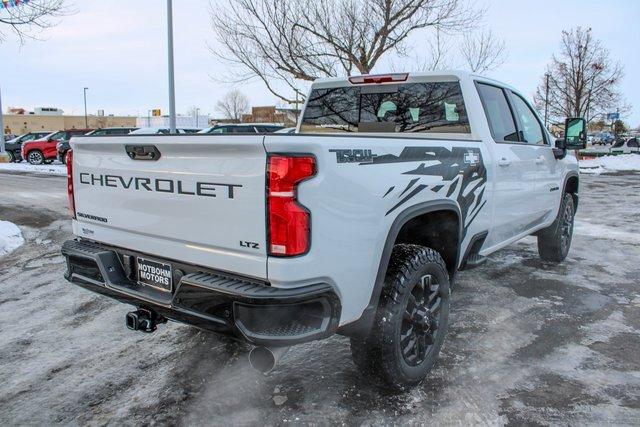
[35, 157]
[554, 241]
[381, 353]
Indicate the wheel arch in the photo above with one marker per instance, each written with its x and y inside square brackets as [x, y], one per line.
[362, 326]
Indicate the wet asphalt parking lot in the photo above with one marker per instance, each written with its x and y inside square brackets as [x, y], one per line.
[529, 342]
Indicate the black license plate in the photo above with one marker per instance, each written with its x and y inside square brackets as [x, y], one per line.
[155, 274]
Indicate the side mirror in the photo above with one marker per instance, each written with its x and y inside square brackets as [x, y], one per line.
[575, 133]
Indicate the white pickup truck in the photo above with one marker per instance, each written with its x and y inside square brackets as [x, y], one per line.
[357, 224]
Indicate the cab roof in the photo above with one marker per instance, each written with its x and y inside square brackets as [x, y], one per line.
[411, 77]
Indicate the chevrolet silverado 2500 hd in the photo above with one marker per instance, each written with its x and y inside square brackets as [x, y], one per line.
[357, 224]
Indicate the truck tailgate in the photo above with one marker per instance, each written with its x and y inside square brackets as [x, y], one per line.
[201, 202]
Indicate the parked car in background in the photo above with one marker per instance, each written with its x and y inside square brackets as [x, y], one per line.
[286, 130]
[112, 131]
[626, 146]
[603, 138]
[63, 146]
[13, 146]
[244, 128]
[45, 150]
[165, 131]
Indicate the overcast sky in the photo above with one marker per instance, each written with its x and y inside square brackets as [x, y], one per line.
[118, 50]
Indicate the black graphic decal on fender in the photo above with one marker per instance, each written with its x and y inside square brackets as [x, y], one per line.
[461, 168]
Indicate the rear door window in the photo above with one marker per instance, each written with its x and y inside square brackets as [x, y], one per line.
[58, 136]
[435, 107]
[268, 129]
[242, 129]
[496, 106]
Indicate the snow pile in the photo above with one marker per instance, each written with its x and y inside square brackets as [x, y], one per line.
[10, 237]
[52, 169]
[623, 162]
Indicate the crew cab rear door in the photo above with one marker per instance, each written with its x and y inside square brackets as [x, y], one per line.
[515, 168]
[199, 199]
[547, 185]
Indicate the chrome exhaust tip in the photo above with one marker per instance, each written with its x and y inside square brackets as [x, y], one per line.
[265, 359]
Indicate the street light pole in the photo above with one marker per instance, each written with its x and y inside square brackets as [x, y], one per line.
[546, 100]
[1, 130]
[172, 91]
[86, 121]
[197, 114]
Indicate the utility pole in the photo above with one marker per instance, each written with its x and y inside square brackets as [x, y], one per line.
[546, 100]
[172, 90]
[197, 114]
[297, 103]
[86, 121]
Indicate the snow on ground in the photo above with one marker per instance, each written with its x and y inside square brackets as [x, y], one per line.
[10, 237]
[598, 165]
[52, 169]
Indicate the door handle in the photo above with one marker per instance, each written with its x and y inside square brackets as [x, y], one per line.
[142, 152]
[503, 162]
[539, 160]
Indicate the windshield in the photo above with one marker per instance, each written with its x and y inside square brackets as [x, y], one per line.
[436, 107]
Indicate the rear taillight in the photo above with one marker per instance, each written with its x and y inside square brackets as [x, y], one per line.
[72, 202]
[289, 221]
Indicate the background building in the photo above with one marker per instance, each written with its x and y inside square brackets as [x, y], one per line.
[52, 119]
[200, 121]
[272, 114]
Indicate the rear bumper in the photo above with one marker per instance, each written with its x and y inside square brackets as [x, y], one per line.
[243, 308]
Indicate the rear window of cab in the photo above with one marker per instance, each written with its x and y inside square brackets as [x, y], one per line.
[434, 107]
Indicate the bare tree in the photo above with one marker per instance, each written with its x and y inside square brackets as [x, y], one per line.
[284, 42]
[582, 80]
[476, 51]
[25, 19]
[482, 51]
[233, 105]
[437, 57]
